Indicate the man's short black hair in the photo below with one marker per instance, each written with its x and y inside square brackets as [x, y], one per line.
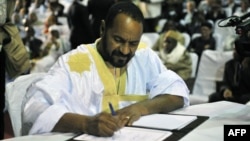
[207, 24]
[127, 8]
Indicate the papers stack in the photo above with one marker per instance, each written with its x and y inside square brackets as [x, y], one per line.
[164, 121]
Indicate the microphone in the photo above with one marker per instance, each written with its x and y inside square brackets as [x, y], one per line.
[235, 20]
[244, 16]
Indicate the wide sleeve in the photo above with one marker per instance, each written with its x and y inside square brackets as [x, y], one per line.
[165, 81]
[64, 89]
[41, 109]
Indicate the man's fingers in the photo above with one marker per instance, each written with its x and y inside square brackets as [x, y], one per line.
[132, 119]
[108, 125]
[105, 131]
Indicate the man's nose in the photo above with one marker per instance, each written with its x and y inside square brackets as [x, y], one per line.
[125, 49]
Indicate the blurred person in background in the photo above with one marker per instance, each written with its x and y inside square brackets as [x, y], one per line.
[174, 54]
[243, 9]
[217, 12]
[79, 24]
[235, 86]
[32, 43]
[203, 42]
[98, 10]
[51, 50]
[230, 7]
[56, 7]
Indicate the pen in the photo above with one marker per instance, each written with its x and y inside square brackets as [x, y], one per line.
[113, 113]
[112, 109]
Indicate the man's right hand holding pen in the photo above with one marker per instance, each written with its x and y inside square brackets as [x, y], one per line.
[106, 124]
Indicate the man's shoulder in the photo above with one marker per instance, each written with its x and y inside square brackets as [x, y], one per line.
[143, 49]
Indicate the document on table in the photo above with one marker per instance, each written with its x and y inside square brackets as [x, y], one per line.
[164, 121]
[129, 134]
[212, 109]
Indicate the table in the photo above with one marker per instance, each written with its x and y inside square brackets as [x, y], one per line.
[219, 113]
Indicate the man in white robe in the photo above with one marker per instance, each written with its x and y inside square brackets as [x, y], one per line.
[75, 94]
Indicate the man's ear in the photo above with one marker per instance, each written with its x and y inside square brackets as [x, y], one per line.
[102, 28]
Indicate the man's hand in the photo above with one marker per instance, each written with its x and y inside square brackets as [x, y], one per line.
[103, 124]
[129, 114]
[227, 94]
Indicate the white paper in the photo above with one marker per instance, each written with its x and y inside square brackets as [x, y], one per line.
[210, 109]
[164, 121]
[129, 134]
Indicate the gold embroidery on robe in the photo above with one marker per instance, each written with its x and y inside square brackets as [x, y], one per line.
[79, 62]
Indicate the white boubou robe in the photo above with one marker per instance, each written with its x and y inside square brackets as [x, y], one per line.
[80, 82]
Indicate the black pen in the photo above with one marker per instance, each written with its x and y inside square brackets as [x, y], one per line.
[112, 109]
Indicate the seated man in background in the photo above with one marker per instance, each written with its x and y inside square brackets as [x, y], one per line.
[235, 86]
[116, 69]
[173, 54]
[203, 42]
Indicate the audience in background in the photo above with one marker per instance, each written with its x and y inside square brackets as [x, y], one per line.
[243, 9]
[51, 50]
[194, 27]
[16, 19]
[205, 6]
[230, 7]
[56, 7]
[50, 20]
[34, 20]
[216, 12]
[189, 13]
[40, 8]
[235, 86]
[174, 54]
[182, 17]
[152, 11]
[172, 9]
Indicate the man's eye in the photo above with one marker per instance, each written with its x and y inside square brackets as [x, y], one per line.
[134, 44]
[117, 39]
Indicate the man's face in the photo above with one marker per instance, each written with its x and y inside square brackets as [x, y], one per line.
[205, 31]
[121, 41]
[169, 44]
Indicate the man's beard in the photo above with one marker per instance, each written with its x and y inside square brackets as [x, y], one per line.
[115, 53]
